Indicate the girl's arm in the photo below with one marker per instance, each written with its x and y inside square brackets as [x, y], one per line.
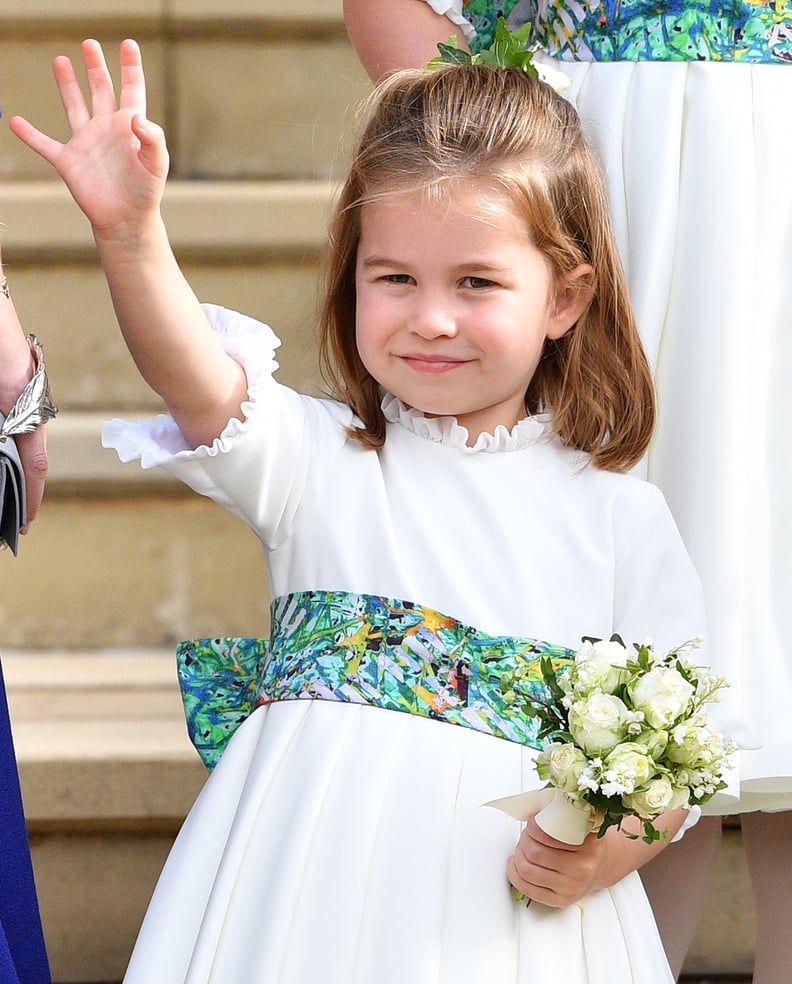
[115, 165]
[393, 34]
[16, 371]
[557, 874]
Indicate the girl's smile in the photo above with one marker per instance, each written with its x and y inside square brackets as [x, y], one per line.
[433, 363]
[454, 304]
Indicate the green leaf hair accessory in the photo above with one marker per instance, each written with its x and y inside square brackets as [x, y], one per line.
[508, 50]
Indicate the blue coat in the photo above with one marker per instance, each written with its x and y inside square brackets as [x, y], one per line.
[23, 956]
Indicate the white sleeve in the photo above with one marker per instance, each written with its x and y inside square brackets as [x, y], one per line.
[262, 468]
[452, 9]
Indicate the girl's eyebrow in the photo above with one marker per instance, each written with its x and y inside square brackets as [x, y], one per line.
[486, 266]
[377, 261]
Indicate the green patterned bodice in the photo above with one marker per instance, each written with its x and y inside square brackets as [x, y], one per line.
[642, 30]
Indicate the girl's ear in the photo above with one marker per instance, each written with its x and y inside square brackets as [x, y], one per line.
[571, 299]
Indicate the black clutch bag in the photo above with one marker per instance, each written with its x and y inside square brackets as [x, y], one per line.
[13, 513]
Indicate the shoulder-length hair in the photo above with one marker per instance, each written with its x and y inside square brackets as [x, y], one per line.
[433, 131]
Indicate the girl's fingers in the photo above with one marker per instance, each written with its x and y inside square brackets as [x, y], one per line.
[133, 82]
[100, 83]
[70, 92]
[39, 142]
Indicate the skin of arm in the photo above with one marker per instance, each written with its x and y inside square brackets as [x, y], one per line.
[115, 164]
[16, 370]
[392, 34]
[557, 874]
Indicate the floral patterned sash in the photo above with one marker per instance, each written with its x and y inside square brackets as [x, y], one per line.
[362, 649]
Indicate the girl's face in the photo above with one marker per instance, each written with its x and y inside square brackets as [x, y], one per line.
[454, 303]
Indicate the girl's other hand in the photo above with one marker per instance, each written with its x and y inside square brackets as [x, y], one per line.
[560, 874]
[115, 163]
[554, 873]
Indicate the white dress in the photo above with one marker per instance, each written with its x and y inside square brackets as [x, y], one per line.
[349, 844]
[696, 156]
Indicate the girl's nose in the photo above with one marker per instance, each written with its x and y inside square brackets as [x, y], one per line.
[433, 317]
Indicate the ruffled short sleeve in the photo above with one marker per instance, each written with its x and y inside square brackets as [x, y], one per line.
[263, 467]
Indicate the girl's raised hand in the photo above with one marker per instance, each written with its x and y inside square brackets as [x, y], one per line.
[115, 163]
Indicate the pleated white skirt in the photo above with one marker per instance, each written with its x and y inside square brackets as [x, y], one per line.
[350, 845]
[698, 163]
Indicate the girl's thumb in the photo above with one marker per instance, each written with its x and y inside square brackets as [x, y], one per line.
[146, 131]
[152, 140]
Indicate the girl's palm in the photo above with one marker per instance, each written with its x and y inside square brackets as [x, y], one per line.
[115, 162]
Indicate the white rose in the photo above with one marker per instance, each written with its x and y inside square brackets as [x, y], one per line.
[628, 766]
[561, 765]
[597, 723]
[656, 796]
[655, 742]
[695, 742]
[602, 664]
[662, 694]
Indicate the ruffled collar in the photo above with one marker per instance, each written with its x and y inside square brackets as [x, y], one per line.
[446, 430]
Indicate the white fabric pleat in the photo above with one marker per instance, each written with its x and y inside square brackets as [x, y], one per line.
[696, 158]
[350, 845]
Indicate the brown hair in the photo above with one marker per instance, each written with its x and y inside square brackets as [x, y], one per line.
[430, 131]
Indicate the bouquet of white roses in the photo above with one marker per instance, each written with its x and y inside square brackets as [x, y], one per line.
[625, 735]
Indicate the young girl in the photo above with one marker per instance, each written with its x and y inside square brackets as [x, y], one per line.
[459, 505]
[686, 106]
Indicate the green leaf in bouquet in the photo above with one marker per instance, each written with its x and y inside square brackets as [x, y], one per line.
[529, 709]
[652, 834]
[550, 678]
[644, 657]
[608, 821]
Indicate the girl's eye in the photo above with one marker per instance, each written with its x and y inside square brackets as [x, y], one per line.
[477, 283]
[398, 278]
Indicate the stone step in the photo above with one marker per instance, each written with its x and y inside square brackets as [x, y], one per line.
[108, 775]
[170, 15]
[253, 246]
[100, 736]
[140, 571]
[177, 564]
[206, 220]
